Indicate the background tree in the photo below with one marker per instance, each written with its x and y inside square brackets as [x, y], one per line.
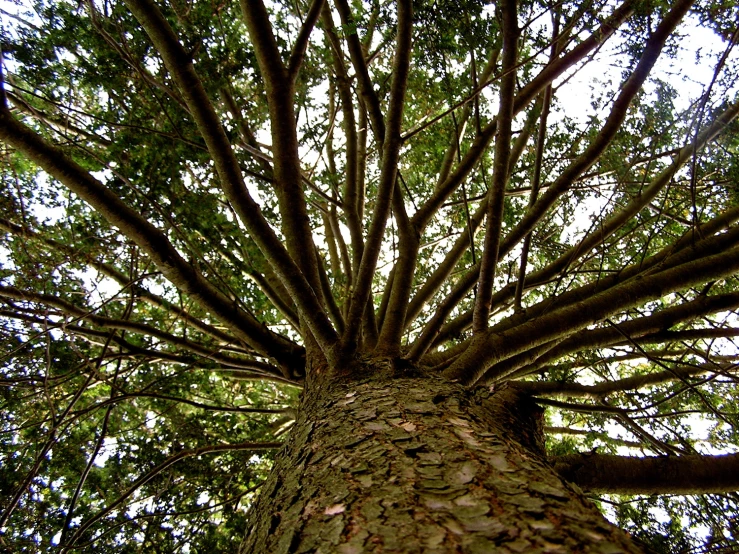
[416, 235]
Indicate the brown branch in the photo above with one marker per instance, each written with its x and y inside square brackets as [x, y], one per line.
[492, 347]
[263, 39]
[100, 440]
[246, 134]
[180, 65]
[583, 432]
[545, 274]
[356, 53]
[171, 460]
[584, 408]
[635, 329]
[388, 176]
[301, 43]
[351, 197]
[463, 243]
[235, 409]
[494, 214]
[607, 133]
[149, 238]
[550, 72]
[692, 474]
[56, 430]
[333, 230]
[683, 336]
[394, 315]
[618, 219]
[109, 323]
[334, 311]
[120, 278]
[252, 367]
[62, 124]
[280, 89]
[539, 156]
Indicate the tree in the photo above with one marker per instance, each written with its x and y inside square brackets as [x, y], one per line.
[378, 246]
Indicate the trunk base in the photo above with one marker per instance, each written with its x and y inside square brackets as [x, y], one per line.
[421, 465]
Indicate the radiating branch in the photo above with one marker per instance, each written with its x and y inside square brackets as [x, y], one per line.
[388, 175]
[141, 481]
[692, 474]
[494, 214]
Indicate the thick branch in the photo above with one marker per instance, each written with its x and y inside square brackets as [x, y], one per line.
[692, 474]
[491, 347]
[634, 329]
[180, 65]
[494, 215]
[280, 88]
[393, 321]
[150, 239]
[388, 175]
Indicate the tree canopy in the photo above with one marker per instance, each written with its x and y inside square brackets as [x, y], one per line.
[206, 204]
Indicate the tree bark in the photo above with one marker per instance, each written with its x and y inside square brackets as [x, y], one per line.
[410, 463]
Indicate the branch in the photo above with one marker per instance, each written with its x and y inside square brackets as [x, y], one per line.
[613, 123]
[539, 156]
[584, 408]
[618, 219]
[605, 437]
[110, 323]
[353, 195]
[550, 72]
[692, 474]
[635, 329]
[280, 89]
[141, 481]
[492, 347]
[121, 279]
[301, 43]
[394, 316]
[209, 407]
[356, 53]
[265, 45]
[463, 243]
[247, 136]
[51, 439]
[681, 251]
[494, 215]
[388, 175]
[254, 368]
[61, 124]
[637, 382]
[149, 238]
[180, 65]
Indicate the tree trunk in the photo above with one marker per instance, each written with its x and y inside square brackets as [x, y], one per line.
[417, 464]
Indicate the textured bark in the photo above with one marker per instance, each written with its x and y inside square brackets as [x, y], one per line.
[420, 465]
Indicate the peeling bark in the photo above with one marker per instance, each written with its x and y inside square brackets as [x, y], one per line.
[418, 464]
